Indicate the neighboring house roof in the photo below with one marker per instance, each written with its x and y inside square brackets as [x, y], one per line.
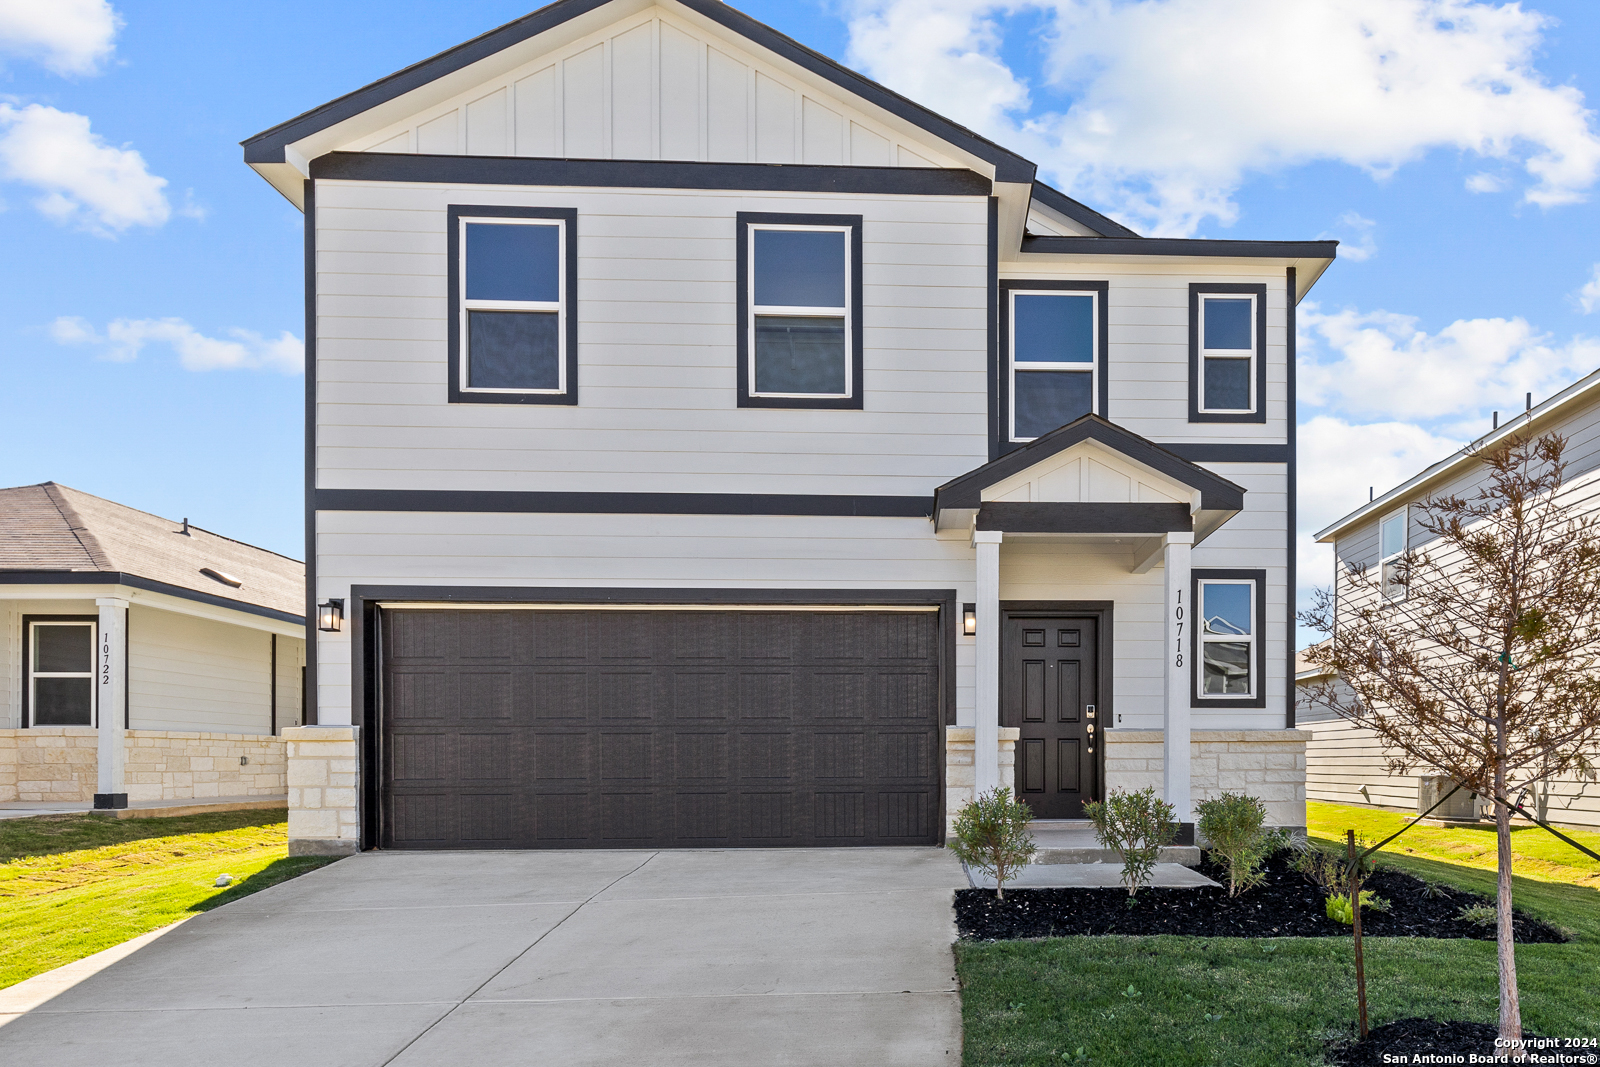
[1580, 392]
[49, 531]
[1309, 672]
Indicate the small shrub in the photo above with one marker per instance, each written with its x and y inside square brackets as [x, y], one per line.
[1479, 914]
[1434, 890]
[1338, 906]
[1235, 826]
[1329, 871]
[1137, 825]
[991, 834]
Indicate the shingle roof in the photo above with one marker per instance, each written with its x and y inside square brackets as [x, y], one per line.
[50, 527]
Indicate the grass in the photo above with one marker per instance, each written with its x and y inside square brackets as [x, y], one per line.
[71, 885]
[1238, 1001]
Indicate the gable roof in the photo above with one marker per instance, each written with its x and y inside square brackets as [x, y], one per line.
[1216, 492]
[50, 529]
[269, 146]
[1082, 214]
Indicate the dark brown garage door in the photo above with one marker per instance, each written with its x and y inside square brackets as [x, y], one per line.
[669, 728]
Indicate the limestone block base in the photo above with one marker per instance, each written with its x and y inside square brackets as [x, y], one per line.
[60, 765]
[958, 771]
[1267, 764]
[324, 814]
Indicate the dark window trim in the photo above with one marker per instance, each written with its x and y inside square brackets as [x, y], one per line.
[456, 348]
[1196, 291]
[1101, 610]
[366, 622]
[648, 174]
[268, 146]
[133, 581]
[1259, 650]
[534, 503]
[27, 664]
[742, 223]
[1102, 360]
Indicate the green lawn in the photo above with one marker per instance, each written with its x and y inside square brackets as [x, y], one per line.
[71, 885]
[1237, 1001]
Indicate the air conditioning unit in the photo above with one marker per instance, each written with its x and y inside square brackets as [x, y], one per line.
[1462, 807]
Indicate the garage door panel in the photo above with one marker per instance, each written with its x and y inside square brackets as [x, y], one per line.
[605, 728]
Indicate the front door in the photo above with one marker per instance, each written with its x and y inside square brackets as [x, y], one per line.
[1050, 690]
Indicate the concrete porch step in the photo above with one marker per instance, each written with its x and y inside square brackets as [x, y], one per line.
[145, 809]
[1073, 841]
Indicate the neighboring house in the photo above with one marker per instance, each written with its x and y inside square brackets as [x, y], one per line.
[708, 446]
[140, 658]
[1347, 763]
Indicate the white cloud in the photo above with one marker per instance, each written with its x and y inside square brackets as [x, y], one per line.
[1589, 295]
[1484, 182]
[84, 181]
[1355, 237]
[124, 339]
[1382, 365]
[66, 36]
[1176, 102]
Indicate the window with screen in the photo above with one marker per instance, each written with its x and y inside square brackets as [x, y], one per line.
[60, 681]
[1054, 349]
[1227, 352]
[1392, 551]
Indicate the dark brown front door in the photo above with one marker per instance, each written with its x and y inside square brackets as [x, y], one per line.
[1050, 690]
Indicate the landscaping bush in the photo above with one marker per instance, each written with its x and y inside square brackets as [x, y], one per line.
[991, 834]
[1328, 871]
[1137, 825]
[1338, 906]
[1235, 827]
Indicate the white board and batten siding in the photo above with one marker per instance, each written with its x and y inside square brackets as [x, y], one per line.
[656, 314]
[655, 86]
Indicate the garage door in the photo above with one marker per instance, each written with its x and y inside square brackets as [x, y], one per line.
[658, 728]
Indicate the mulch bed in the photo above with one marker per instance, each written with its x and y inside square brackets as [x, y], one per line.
[1404, 1040]
[1285, 905]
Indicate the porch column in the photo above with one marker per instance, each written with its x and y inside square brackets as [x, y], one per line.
[1181, 619]
[986, 724]
[111, 673]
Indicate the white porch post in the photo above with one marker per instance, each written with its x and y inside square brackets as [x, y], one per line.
[986, 725]
[111, 667]
[1181, 618]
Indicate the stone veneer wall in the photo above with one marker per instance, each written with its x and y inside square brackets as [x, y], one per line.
[60, 764]
[1267, 764]
[49, 764]
[958, 772]
[177, 765]
[324, 814]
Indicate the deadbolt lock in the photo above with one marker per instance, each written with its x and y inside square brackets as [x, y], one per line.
[1090, 708]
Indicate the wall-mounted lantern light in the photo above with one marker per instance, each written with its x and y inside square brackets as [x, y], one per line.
[969, 619]
[330, 615]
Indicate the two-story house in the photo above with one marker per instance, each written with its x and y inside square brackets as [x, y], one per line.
[707, 446]
[1348, 763]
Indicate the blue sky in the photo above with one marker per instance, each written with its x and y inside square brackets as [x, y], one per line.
[152, 311]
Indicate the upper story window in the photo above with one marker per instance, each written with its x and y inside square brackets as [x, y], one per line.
[1053, 356]
[513, 287]
[1227, 353]
[799, 310]
[60, 662]
[1391, 551]
[1228, 656]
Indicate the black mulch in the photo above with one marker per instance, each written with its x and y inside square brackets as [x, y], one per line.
[1405, 1039]
[1286, 905]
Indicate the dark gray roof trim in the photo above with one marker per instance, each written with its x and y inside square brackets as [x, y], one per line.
[1096, 518]
[268, 146]
[135, 582]
[649, 174]
[1180, 246]
[1216, 492]
[1060, 202]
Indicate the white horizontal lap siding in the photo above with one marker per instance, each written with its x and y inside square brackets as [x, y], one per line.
[657, 348]
[1256, 539]
[1038, 571]
[186, 673]
[1147, 332]
[644, 551]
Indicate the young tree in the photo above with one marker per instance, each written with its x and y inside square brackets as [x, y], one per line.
[1479, 655]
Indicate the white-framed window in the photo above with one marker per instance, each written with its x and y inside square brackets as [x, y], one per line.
[60, 662]
[1228, 639]
[1228, 352]
[800, 320]
[1053, 345]
[1391, 551]
[513, 279]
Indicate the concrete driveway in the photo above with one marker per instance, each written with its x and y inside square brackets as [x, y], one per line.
[829, 957]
